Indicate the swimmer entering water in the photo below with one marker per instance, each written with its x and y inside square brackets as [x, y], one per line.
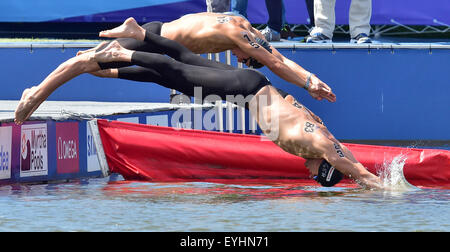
[299, 131]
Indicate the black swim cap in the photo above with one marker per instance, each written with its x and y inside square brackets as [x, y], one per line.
[253, 62]
[327, 175]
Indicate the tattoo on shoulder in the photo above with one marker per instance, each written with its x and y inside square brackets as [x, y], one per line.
[223, 19]
[309, 127]
[298, 105]
[338, 149]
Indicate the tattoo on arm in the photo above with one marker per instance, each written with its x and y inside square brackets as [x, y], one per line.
[254, 44]
[338, 149]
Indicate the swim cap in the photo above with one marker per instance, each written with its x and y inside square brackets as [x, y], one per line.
[327, 175]
[253, 62]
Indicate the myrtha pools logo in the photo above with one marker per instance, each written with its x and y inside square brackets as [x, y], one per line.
[33, 150]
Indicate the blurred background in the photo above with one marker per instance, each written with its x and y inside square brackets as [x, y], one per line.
[82, 19]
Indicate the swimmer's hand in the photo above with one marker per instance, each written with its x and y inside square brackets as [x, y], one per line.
[319, 90]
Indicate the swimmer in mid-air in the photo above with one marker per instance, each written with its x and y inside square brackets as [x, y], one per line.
[216, 32]
[292, 126]
[200, 33]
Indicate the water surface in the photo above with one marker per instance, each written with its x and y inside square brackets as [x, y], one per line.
[102, 205]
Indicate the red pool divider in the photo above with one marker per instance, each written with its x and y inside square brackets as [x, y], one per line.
[163, 154]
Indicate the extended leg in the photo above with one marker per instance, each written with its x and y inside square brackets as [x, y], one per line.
[184, 77]
[132, 41]
[33, 97]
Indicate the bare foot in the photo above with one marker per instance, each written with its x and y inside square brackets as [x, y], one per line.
[113, 52]
[129, 29]
[94, 49]
[27, 105]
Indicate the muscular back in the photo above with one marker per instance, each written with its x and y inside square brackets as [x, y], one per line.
[206, 32]
[289, 124]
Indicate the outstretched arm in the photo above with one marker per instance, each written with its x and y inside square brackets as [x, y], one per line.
[317, 88]
[283, 67]
[343, 160]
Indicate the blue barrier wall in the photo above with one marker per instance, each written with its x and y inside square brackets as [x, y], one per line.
[382, 94]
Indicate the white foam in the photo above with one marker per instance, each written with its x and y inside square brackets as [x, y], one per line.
[392, 176]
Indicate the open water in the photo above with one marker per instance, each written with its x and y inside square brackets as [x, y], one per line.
[101, 205]
[111, 204]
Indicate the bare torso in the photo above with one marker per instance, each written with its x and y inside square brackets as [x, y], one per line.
[206, 32]
[297, 131]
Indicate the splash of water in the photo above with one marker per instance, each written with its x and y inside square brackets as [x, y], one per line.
[392, 176]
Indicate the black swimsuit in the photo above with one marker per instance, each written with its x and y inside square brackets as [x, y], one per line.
[184, 70]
